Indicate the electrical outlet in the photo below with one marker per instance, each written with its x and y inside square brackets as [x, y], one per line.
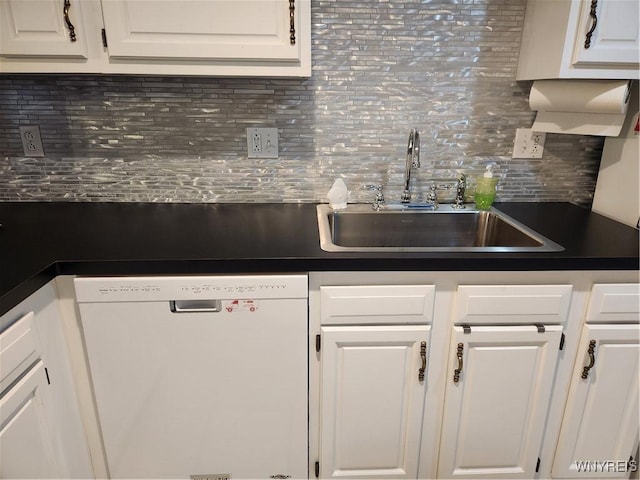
[528, 144]
[262, 142]
[31, 141]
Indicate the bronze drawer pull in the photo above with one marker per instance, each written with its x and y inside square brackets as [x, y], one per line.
[423, 357]
[457, 371]
[593, 14]
[292, 21]
[592, 360]
[65, 13]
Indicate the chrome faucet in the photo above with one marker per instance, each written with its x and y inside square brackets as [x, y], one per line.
[412, 161]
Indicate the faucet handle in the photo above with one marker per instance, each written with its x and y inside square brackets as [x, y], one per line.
[432, 196]
[379, 198]
[461, 187]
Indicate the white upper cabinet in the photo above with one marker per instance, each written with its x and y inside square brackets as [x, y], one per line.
[580, 39]
[54, 31]
[188, 37]
[608, 33]
[244, 29]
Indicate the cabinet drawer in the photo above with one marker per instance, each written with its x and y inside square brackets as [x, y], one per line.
[18, 349]
[512, 304]
[376, 304]
[614, 302]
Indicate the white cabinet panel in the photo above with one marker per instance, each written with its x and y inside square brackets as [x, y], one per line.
[601, 416]
[376, 304]
[495, 411]
[554, 33]
[512, 304]
[18, 349]
[237, 29]
[614, 302]
[372, 401]
[38, 27]
[26, 448]
[616, 36]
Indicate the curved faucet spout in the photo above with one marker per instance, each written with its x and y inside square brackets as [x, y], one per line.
[412, 161]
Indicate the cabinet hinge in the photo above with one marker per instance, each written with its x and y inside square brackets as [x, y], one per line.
[540, 328]
[46, 372]
[317, 469]
[466, 329]
[104, 38]
[562, 342]
[538, 465]
[318, 343]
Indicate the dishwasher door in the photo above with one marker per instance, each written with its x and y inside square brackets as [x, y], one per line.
[199, 376]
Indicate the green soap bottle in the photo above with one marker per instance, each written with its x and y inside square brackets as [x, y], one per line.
[486, 189]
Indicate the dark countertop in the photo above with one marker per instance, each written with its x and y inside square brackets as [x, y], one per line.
[41, 240]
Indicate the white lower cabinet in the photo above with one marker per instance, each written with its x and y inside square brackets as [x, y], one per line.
[41, 431]
[26, 442]
[373, 392]
[500, 380]
[373, 350]
[599, 434]
[23, 418]
[600, 428]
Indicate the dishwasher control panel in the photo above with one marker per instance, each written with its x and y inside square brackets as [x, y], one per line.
[140, 289]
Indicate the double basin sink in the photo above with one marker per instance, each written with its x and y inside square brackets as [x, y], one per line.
[401, 228]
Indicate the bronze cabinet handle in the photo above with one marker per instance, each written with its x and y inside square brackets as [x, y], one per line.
[423, 358]
[65, 13]
[457, 371]
[592, 360]
[594, 16]
[292, 21]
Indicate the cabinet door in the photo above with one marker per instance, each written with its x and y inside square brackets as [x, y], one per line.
[203, 29]
[18, 350]
[371, 401]
[38, 28]
[495, 411]
[616, 36]
[600, 426]
[26, 449]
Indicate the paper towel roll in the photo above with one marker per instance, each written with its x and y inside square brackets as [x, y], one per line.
[584, 107]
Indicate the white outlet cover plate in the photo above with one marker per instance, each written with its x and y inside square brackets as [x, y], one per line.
[267, 144]
[31, 141]
[528, 144]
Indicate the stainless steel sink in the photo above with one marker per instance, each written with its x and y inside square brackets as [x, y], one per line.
[359, 228]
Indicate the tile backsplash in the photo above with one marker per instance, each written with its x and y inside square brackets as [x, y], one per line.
[446, 67]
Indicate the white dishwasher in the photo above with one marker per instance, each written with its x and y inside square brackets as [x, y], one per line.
[199, 376]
